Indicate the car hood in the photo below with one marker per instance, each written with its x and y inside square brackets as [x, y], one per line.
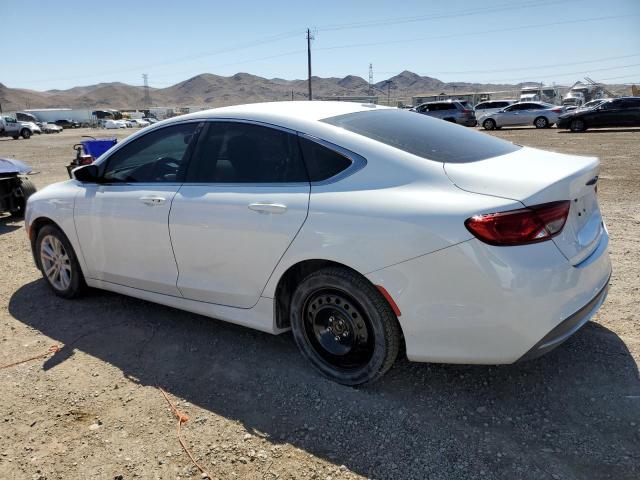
[13, 166]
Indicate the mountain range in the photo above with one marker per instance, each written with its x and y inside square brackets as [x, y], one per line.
[214, 90]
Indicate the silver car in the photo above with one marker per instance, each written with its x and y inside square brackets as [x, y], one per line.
[538, 114]
[451, 111]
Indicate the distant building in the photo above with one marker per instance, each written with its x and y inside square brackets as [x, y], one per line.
[362, 99]
[470, 97]
[53, 114]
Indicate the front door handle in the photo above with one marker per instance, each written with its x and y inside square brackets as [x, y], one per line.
[153, 200]
[268, 207]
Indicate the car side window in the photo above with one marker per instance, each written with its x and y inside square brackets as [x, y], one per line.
[236, 152]
[321, 162]
[157, 157]
[613, 105]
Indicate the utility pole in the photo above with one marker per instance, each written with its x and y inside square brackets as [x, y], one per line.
[371, 79]
[309, 38]
[388, 93]
[147, 95]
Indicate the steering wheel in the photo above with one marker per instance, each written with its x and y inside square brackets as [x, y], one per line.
[163, 167]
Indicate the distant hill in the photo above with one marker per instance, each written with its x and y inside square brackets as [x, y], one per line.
[214, 90]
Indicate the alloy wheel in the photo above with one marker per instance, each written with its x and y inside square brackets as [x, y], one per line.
[55, 262]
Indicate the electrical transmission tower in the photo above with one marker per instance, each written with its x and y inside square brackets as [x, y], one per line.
[371, 79]
[147, 95]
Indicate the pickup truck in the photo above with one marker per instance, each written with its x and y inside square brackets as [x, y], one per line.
[10, 127]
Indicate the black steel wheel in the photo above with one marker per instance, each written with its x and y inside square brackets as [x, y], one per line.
[344, 326]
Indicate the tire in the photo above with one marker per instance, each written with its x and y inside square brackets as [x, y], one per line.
[541, 122]
[27, 188]
[577, 125]
[25, 133]
[344, 326]
[15, 137]
[66, 279]
[489, 124]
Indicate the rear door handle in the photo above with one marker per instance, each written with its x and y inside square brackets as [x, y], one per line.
[153, 200]
[268, 207]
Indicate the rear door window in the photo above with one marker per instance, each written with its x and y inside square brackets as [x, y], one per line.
[237, 152]
[423, 136]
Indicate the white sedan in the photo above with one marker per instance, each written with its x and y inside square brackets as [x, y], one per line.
[538, 114]
[364, 229]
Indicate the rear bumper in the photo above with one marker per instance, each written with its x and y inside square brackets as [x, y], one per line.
[567, 327]
[477, 304]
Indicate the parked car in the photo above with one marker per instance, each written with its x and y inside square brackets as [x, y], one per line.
[114, 124]
[10, 127]
[490, 106]
[451, 111]
[50, 127]
[593, 103]
[362, 228]
[127, 122]
[31, 126]
[618, 112]
[15, 187]
[151, 120]
[540, 115]
[67, 123]
[138, 122]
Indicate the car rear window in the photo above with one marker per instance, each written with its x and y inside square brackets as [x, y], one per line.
[423, 136]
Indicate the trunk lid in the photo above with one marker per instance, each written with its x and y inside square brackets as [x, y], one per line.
[532, 177]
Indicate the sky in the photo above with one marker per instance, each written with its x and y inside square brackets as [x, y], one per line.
[58, 45]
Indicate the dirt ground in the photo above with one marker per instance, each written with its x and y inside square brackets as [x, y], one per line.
[257, 411]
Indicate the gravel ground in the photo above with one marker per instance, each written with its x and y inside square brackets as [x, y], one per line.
[257, 411]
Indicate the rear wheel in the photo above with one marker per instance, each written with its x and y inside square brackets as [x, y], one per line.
[58, 262]
[541, 122]
[577, 125]
[25, 133]
[344, 326]
[489, 124]
[24, 191]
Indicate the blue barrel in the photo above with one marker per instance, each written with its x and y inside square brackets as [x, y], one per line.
[95, 148]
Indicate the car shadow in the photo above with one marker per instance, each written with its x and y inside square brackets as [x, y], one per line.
[604, 130]
[570, 414]
[9, 224]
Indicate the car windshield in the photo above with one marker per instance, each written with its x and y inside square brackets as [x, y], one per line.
[423, 136]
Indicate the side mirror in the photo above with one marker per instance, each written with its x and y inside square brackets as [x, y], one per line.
[87, 174]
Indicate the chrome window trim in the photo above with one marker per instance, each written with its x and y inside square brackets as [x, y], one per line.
[358, 162]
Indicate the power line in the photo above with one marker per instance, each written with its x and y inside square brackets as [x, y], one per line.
[241, 46]
[465, 34]
[460, 13]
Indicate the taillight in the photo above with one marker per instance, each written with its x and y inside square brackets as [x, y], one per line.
[466, 111]
[522, 226]
[86, 159]
[556, 110]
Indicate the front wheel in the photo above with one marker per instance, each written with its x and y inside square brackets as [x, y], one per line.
[489, 124]
[577, 125]
[58, 262]
[344, 326]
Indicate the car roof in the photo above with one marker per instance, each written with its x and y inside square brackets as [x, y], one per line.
[293, 115]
